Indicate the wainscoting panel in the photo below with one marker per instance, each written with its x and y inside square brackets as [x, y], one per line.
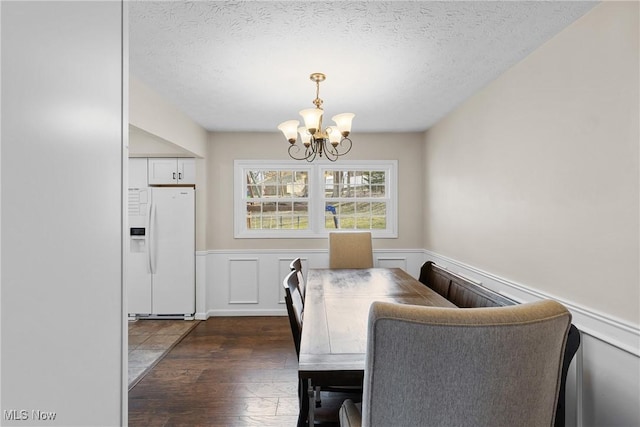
[243, 283]
[610, 390]
[392, 263]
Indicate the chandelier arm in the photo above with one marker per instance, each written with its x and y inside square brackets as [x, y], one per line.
[330, 152]
[342, 141]
[312, 157]
[294, 148]
[312, 151]
[334, 151]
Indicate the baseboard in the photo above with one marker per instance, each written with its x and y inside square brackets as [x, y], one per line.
[240, 312]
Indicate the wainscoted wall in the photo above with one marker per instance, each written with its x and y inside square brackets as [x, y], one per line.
[249, 283]
[603, 384]
[602, 387]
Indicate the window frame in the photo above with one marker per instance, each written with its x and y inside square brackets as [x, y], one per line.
[316, 199]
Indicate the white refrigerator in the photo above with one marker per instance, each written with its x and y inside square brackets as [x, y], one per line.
[160, 268]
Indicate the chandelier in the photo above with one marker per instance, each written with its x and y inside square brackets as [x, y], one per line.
[331, 143]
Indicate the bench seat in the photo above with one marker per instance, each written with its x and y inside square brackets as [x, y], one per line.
[464, 293]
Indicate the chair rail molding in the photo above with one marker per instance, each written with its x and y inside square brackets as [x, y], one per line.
[616, 332]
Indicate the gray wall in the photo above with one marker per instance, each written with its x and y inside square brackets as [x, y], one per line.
[62, 325]
[225, 147]
[535, 179]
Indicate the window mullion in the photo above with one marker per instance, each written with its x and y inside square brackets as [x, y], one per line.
[316, 199]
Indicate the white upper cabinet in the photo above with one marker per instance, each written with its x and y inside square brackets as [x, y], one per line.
[137, 172]
[186, 171]
[171, 171]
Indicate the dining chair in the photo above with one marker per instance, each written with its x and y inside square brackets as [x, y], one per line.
[296, 265]
[350, 250]
[295, 307]
[429, 366]
[573, 343]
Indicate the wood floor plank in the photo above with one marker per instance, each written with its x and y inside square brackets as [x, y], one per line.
[228, 371]
[246, 421]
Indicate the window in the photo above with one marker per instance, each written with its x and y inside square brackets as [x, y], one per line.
[277, 199]
[288, 199]
[355, 199]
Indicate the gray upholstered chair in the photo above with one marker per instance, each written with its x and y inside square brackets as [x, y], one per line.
[430, 366]
[350, 250]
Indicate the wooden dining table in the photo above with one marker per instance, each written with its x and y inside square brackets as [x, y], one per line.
[336, 311]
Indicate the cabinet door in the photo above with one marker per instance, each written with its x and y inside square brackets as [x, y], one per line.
[186, 171]
[137, 172]
[162, 171]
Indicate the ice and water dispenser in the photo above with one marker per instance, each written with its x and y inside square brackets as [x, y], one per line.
[138, 239]
[138, 205]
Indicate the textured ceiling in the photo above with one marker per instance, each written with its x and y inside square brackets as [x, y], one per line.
[400, 66]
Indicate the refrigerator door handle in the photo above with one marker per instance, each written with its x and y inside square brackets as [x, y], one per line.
[152, 239]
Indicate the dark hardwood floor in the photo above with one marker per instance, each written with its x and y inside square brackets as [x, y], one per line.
[228, 371]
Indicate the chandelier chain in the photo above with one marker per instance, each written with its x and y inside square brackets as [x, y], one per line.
[318, 102]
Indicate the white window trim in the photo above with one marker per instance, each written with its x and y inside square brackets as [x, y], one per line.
[316, 215]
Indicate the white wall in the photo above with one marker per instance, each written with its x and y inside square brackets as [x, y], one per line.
[159, 129]
[535, 179]
[151, 113]
[62, 324]
[144, 144]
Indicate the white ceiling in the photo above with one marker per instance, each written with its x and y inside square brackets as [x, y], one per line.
[400, 66]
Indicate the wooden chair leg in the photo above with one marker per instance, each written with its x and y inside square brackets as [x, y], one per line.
[318, 398]
[304, 403]
[311, 400]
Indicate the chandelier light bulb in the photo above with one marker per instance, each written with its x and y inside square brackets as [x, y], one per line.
[334, 135]
[289, 129]
[343, 121]
[312, 118]
[305, 136]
